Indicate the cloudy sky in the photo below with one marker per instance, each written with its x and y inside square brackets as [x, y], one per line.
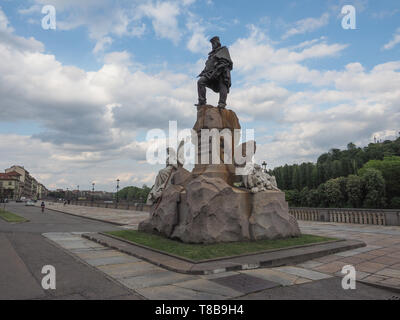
[77, 102]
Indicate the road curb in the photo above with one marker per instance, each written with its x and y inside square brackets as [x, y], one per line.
[380, 286]
[90, 218]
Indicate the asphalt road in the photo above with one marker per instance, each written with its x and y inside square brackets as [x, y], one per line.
[24, 251]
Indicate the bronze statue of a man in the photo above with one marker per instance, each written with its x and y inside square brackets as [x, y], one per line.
[217, 74]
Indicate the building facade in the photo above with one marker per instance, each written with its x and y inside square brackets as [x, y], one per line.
[27, 186]
[10, 185]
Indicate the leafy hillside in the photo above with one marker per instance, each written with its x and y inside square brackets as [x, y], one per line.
[355, 177]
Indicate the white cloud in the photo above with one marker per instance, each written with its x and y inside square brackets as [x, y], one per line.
[106, 19]
[257, 58]
[198, 42]
[164, 19]
[102, 44]
[395, 41]
[9, 39]
[307, 25]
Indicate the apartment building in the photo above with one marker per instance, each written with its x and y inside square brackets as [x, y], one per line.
[28, 186]
[10, 186]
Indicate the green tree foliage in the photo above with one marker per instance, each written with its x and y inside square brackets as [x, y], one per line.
[333, 193]
[309, 184]
[395, 203]
[134, 193]
[390, 169]
[354, 190]
[293, 197]
[374, 186]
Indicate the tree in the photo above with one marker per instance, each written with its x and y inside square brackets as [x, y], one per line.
[354, 191]
[323, 199]
[134, 193]
[296, 179]
[374, 186]
[395, 203]
[333, 193]
[304, 197]
[313, 198]
[383, 156]
[390, 169]
[293, 197]
[342, 184]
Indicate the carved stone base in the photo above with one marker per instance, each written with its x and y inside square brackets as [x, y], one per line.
[208, 210]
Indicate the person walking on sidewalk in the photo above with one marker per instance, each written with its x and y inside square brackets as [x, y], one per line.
[42, 206]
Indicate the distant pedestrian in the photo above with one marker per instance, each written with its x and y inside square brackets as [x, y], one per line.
[42, 206]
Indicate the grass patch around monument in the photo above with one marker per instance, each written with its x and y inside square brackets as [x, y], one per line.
[11, 217]
[198, 252]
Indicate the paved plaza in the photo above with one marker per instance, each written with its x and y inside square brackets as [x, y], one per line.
[153, 282]
[376, 263]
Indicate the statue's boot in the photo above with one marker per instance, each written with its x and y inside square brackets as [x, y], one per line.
[201, 103]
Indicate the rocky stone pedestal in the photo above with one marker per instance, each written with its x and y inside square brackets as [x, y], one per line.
[205, 207]
[209, 210]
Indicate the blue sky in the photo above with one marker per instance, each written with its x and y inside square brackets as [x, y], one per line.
[78, 100]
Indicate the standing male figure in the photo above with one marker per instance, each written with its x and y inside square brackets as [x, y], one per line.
[217, 74]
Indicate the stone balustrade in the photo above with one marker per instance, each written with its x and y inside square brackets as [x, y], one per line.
[343, 215]
[123, 205]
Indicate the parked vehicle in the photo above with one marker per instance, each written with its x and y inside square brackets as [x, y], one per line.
[30, 203]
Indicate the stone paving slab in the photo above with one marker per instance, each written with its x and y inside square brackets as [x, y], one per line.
[155, 279]
[211, 287]
[273, 275]
[129, 270]
[245, 283]
[111, 260]
[172, 292]
[357, 251]
[310, 264]
[389, 273]
[304, 273]
[99, 254]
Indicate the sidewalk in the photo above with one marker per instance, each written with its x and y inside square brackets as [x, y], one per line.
[128, 218]
[378, 262]
[156, 283]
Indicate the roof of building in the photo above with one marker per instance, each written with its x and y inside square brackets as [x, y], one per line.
[9, 175]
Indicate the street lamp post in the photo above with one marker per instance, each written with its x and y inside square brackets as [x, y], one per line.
[264, 165]
[117, 191]
[92, 192]
[77, 194]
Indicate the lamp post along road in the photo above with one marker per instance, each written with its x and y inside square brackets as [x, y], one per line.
[264, 165]
[92, 193]
[117, 198]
